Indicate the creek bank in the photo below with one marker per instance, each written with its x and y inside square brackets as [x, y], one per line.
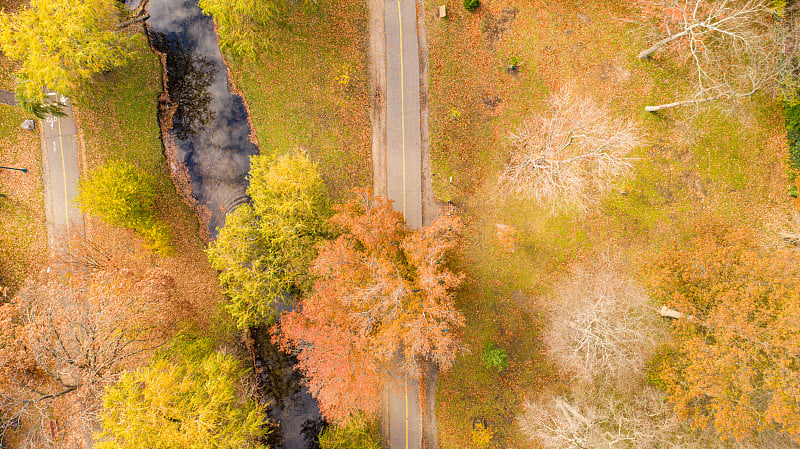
[206, 131]
[208, 140]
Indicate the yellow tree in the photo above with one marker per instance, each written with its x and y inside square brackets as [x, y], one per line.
[193, 402]
[734, 366]
[62, 339]
[265, 248]
[238, 22]
[61, 43]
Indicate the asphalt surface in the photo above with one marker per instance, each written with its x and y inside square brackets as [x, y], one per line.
[404, 183]
[403, 132]
[405, 419]
[61, 174]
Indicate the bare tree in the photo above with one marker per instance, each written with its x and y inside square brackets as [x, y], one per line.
[600, 420]
[63, 339]
[735, 48]
[601, 323]
[569, 157]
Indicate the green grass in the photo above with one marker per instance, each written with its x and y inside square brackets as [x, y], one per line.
[691, 164]
[120, 109]
[310, 90]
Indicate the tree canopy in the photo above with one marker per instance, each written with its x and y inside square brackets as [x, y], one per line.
[61, 43]
[265, 248]
[733, 367]
[194, 402]
[734, 48]
[62, 340]
[122, 195]
[382, 290]
[238, 21]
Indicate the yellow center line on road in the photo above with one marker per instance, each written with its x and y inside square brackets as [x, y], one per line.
[402, 108]
[405, 395]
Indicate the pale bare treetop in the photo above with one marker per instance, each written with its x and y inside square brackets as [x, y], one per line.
[570, 156]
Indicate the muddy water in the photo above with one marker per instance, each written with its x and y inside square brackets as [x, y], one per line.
[208, 132]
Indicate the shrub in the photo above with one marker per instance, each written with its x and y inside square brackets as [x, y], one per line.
[355, 434]
[124, 196]
[471, 5]
[481, 436]
[495, 357]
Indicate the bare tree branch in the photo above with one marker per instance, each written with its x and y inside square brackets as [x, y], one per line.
[735, 48]
[570, 157]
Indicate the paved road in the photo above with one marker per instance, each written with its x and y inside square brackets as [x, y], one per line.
[404, 183]
[61, 173]
[403, 132]
[405, 419]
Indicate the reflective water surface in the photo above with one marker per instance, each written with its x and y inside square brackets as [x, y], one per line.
[209, 127]
[209, 132]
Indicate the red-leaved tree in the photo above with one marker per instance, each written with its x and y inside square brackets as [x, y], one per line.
[382, 290]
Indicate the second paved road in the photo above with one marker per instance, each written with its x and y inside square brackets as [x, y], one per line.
[61, 173]
[404, 183]
[403, 131]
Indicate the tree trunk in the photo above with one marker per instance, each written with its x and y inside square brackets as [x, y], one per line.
[645, 54]
[680, 103]
[128, 23]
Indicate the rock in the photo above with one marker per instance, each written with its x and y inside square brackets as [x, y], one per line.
[28, 125]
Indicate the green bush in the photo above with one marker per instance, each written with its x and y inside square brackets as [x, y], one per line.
[356, 434]
[495, 357]
[471, 5]
[124, 196]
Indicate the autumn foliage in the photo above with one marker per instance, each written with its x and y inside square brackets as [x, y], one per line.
[64, 337]
[194, 400]
[264, 249]
[733, 367]
[382, 290]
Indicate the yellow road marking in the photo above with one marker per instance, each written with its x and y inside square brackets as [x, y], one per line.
[405, 395]
[402, 111]
[64, 176]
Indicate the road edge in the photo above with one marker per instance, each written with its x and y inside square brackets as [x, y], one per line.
[377, 92]
[430, 211]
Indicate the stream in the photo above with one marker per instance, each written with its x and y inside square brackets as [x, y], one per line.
[208, 132]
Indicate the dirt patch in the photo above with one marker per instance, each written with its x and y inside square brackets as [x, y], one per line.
[495, 27]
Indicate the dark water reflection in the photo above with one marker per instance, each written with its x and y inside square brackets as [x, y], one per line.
[210, 132]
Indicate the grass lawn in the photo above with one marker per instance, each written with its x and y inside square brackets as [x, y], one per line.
[692, 164]
[23, 237]
[118, 122]
[309, 90]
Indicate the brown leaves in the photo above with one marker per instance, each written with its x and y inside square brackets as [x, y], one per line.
[63, 338]
[740, 375]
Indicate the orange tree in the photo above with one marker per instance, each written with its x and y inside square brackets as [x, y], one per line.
[382, 289]
[63, 338]
[733, 365]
